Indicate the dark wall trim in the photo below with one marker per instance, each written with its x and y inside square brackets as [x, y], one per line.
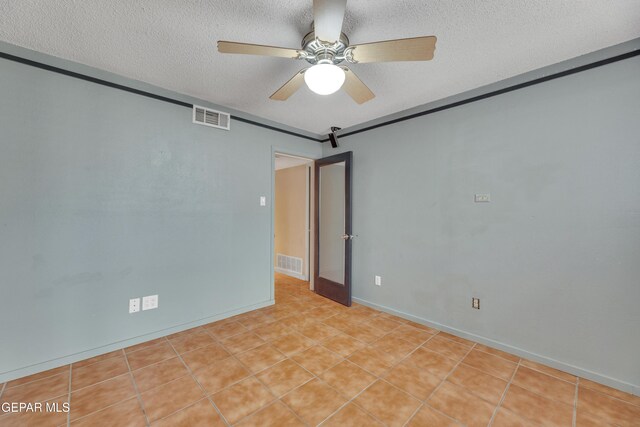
[496, 92]
[355, 132]
[288, 132]
[138, 92]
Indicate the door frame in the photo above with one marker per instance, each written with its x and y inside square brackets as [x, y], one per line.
[310, 246]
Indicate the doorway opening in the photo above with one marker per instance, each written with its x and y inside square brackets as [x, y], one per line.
[292, 245]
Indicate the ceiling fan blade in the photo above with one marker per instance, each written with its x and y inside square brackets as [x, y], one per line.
[355, 88]
[256, 49]
[327, 19]
[290, 87]
[413, 49]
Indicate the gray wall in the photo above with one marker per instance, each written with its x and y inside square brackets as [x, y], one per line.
[555, 256]
[107, 195]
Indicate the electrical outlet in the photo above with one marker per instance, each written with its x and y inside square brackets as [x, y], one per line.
[475, 303]
[149, 302]
[134, 305]
[378, 280]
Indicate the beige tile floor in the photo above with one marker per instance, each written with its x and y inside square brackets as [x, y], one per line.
[309, 361]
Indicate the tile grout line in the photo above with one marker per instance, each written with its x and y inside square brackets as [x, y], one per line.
[346, 359]
[352, 400]
[102, 409]
[348, 401]
[296, 329]
[395, 364]
[379, 378]
[292, 329]
[537, 393]
[190, 405]
[254, 375]
[504, 394]
[343, 359]
[556, 377]
[610, 396]
[315, 342]
[314, 376]
[233, 355]
[135, 387]
[450, 372]
[422, 405]
[445, 377]
[575, 403]
[426, 405]
[143, 367]
[69, 395]
[162, 385]
[90, 385]
[475, 344]
[99, 361]
[193, 377]
[36, 380]
[146, 347]
[109, 379]
[104, 381]
[248, 370]
[540, 371]
[492, 354]
[277, 398]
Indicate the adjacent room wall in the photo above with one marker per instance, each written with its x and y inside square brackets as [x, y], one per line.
[291, 212]
[105, 196]
[554, 257]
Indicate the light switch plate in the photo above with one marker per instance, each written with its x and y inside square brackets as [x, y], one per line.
[134, 305]
[263, 201]
[149, 302]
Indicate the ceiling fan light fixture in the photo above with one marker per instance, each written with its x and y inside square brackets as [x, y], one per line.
[324, 79]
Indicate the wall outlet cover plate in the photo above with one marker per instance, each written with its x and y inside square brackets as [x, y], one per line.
[134, 305]
[149, 302]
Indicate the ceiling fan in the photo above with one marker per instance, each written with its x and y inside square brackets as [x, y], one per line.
[327, 46]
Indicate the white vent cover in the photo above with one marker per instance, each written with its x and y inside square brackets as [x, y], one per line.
[289, 264]
[209, 117]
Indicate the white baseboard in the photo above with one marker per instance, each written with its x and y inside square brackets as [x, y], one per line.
[76, 357]
[575, 370]
[290, 273]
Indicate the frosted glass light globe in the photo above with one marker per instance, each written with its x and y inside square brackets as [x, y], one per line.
[324, 79]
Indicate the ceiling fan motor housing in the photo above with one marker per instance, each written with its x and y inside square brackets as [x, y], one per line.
[319, 52]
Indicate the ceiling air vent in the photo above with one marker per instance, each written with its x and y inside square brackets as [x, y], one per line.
[213, 118]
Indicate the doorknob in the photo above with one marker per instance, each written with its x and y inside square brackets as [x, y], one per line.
[346, 237]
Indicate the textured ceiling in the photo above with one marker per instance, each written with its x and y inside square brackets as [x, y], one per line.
[172, 44]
